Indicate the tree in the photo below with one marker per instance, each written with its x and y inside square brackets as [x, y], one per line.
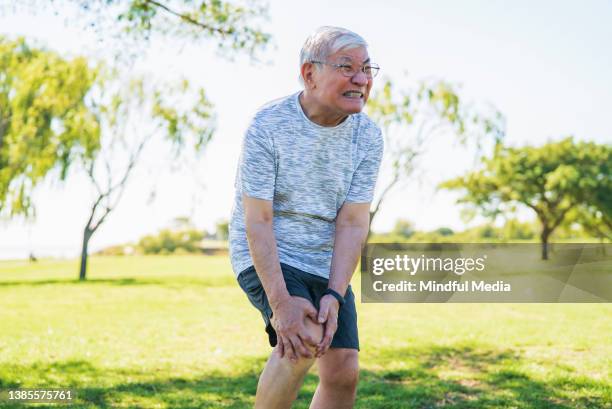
[222, 229]
[168, 241]
[551, 180]
[132, 115]
[67, 128]
[513, 229]
[404, 228]
[595, 211]
[412, 117]
[231, 25]
[444, 231]
[45, 123]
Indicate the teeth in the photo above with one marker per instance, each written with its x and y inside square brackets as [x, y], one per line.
[353, 94]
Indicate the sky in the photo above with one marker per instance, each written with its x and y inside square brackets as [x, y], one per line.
[545, 65]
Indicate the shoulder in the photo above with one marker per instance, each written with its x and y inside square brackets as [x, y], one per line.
[367, 128]
[276, 110]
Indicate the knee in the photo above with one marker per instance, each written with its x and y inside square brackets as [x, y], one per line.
[299, 366]
[314, 330]
[344, 376]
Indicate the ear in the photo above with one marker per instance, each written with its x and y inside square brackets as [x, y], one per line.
[307, 72]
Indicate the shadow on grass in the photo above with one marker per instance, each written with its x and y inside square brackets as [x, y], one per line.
[111, 281]
[434, 377]
[472, 377]
[128, 281]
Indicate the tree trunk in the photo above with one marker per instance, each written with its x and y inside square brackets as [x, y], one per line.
[86, 236]
[372, 214]
[544, 238]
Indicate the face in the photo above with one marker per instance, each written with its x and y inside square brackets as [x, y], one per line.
[335, 93]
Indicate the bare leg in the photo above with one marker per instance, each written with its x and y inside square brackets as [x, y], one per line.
[281, 379]
[339, 375]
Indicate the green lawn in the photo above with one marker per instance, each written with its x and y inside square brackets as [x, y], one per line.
[176, 332]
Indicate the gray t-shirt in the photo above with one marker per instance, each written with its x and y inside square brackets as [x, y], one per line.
[308, 171]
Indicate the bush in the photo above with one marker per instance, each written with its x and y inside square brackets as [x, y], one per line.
[169, 241]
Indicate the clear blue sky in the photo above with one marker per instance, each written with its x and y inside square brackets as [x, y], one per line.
[546, 65]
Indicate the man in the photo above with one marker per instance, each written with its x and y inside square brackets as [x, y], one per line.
[303, 190]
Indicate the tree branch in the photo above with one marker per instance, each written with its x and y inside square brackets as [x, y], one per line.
[383, 194]
[558, 221]
[190, 19]
[121, 184]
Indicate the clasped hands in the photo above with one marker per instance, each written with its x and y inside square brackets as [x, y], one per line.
[298, 325]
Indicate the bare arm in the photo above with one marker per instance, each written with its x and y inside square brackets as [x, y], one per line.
[262, 246]
[351, 232]
[288, 312]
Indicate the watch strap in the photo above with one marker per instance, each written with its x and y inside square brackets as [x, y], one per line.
[336, 295]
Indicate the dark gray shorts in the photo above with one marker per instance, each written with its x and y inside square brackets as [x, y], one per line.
[310, 287]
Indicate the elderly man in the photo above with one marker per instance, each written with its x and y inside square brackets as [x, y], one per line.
[304, 185]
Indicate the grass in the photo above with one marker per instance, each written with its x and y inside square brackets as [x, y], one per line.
[176, 332]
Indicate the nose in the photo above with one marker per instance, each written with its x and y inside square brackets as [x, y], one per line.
[359, 78]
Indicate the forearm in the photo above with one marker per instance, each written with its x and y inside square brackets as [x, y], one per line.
[349, 240]
[262, 246]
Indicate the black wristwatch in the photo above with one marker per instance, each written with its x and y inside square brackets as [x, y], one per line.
[335, 294]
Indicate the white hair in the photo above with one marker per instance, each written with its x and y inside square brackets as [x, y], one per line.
[328, 40]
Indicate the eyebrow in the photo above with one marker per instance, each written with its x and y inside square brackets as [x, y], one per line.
[349, 59]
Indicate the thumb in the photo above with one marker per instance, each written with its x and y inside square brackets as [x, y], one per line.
[322, 315]
[311, 312]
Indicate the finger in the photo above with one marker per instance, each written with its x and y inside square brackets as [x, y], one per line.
[328, 334]
[326, 340]
[324, 346]
[325, 332]
[320, 350]
[323, 351]
[323, 311]
[300, 348]
[309, 310]
[330, 327]
[281, 347]
[289, 352]
[307, 339]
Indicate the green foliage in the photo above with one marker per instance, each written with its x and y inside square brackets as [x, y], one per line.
[45, 121]
[551, 180]
[593, 221]
[413, 116]
[117, 250]
[404, 228]
[222, 230]
[445, 231]
[512, 230]
[55, 113]
[169, 241]
[230, 25]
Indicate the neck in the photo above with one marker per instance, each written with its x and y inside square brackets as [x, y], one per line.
[318, 114]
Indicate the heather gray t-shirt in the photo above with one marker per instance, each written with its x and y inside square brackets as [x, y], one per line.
[308, 171]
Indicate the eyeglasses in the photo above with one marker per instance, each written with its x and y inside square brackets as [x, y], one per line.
[370, 70]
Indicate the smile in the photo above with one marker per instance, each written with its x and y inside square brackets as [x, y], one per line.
[353, 94]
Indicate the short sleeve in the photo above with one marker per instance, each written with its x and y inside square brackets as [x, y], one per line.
[257, 164]
[364, 178]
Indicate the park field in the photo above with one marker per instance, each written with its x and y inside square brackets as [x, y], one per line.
[177, 332]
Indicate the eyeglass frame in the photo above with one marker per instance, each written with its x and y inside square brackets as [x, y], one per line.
[339, 66]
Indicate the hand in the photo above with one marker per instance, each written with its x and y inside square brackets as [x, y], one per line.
[328, 315]
[288, 321]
